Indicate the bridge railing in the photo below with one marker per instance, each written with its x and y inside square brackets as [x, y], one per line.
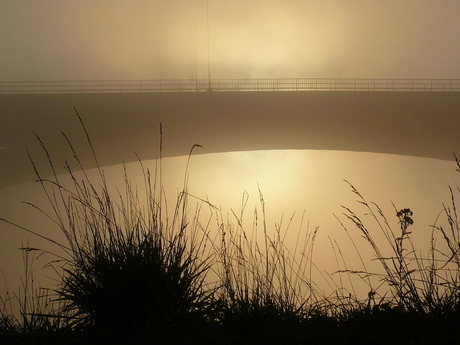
[203, 85]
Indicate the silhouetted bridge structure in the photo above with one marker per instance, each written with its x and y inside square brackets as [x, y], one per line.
[203, 85]
[415, 117]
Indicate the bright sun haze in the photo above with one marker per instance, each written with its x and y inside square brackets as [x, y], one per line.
[79, 40]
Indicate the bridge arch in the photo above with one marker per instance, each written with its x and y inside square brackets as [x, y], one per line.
[414, 123]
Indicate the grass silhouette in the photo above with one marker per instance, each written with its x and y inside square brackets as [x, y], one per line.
[131, 273]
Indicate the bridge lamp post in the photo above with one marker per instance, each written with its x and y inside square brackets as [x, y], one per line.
[209, 55]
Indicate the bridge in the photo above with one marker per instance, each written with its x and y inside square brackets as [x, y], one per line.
[401, 116]
[201, 85]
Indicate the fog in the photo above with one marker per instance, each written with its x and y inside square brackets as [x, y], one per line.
[92, 40]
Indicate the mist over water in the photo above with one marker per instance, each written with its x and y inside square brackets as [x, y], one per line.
[294, 184]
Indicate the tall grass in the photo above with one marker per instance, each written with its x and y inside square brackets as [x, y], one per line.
[127, 268]
[38, 317]
[132, 271]
[266, 289]
[425, 283]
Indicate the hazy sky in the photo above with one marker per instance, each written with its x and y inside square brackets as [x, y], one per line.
[140, 39]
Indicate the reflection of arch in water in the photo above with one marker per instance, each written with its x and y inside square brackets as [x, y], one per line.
[414, 123]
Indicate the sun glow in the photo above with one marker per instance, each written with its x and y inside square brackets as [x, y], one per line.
[302, 191]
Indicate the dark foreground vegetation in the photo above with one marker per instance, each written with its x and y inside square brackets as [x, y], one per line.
[130, 272]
